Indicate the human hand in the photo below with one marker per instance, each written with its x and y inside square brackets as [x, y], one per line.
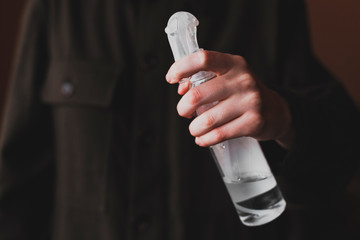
[245, 106]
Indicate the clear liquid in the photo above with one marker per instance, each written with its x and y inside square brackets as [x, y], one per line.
[257, 199]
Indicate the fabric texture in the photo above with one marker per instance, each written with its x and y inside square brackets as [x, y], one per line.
[92, 147]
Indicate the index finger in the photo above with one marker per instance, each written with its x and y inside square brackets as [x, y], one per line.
[216, 62]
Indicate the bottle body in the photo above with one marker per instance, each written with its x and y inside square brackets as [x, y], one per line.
[249, 180]
[246, 173]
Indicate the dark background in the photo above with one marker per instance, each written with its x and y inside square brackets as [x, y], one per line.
[334, 27]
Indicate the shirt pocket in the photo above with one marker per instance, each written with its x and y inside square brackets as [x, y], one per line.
[79, 95]
[80, 83]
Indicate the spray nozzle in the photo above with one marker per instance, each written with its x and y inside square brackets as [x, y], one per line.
[181, 32]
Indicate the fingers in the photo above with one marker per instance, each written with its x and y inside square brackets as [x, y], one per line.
[240, 86]
[233, 117]
[184, 86]
[246, 125]
[218, 115]
[218, 63]
[239, 98]
[208, 92]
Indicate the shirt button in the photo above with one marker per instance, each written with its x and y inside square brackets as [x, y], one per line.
[67, 89]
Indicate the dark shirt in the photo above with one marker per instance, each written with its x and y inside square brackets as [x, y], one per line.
[92, 146]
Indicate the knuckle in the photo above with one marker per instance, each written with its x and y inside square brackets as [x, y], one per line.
[218, 135]
[247, 81]
[255, 100]
[257, 123]
[239, 60]
[204, 57]
[210, 120]
[194, 96]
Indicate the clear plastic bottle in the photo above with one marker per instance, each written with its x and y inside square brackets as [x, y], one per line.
[241, 162]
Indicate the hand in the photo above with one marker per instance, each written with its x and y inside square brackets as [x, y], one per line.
[245, 106]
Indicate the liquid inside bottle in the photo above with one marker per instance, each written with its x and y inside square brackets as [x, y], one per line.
[257, 198]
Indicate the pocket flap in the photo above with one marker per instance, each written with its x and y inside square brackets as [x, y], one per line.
[80, 83]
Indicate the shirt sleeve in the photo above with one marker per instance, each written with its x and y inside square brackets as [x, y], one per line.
[324, 155]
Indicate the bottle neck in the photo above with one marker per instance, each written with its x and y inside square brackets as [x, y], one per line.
[201, 77]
